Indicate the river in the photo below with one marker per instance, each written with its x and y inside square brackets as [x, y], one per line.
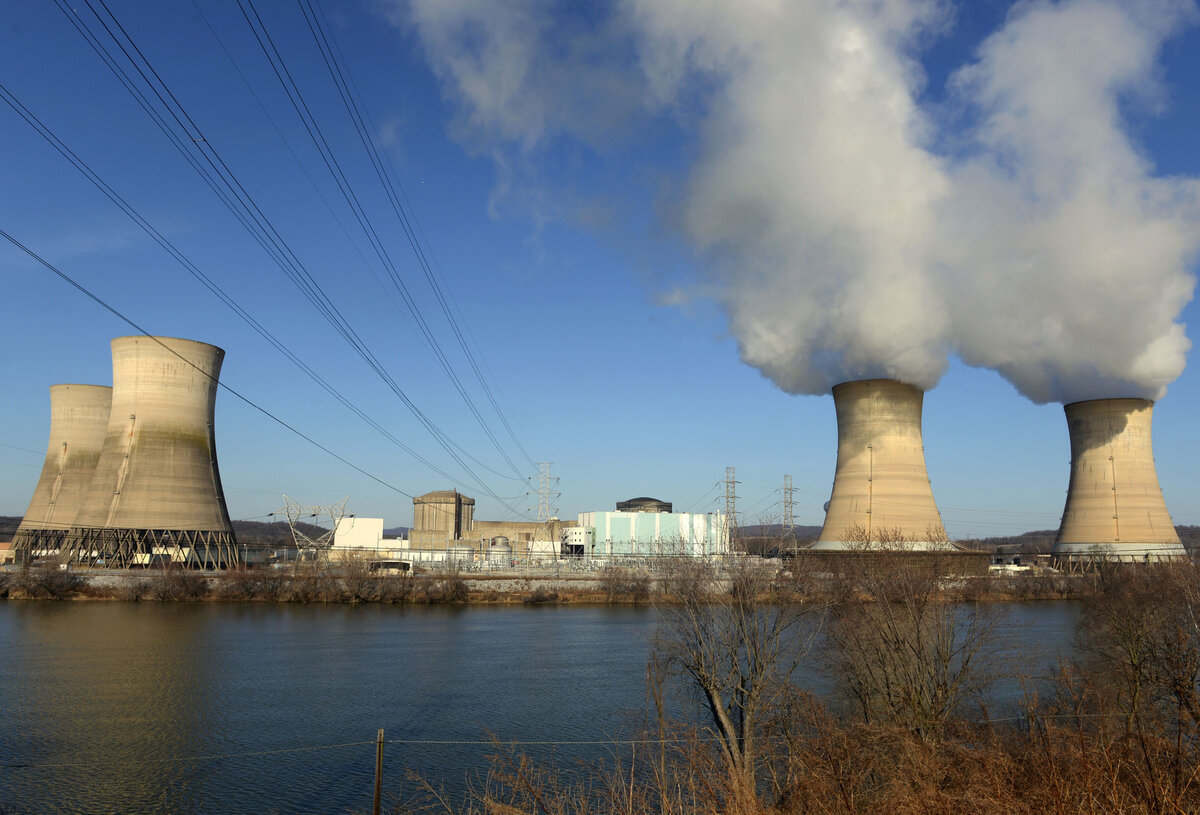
[113, 707]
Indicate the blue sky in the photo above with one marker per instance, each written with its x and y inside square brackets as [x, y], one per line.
[562, 211]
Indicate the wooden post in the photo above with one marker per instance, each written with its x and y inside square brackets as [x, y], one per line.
[378, 771]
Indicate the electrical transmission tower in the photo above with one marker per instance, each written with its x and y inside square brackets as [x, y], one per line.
[312, 548]
[731, 502]
[545, 492]
[789, 518]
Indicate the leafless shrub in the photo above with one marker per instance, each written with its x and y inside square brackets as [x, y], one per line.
[905, 652]
[448, 587]
[135, 589]
[242, 584]
[618, 583]
[176, 583]
[47, 581]
[686, 579]
[307, 583]
[396, 588]
[542, 595]
[357, 582]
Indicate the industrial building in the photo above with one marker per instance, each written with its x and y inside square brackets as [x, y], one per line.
[153, 494]
[447, 517]
[359, 534]
[440, 518]
[1115, 508]
[651, 534]
[445, 520]
[881, 495]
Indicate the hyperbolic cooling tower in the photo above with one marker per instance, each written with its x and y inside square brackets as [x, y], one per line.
[881, 494]
[156, 491]
[78, 419]
[1115, 507]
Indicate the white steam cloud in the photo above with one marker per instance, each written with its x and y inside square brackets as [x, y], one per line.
[1066, 260]
[844, 243]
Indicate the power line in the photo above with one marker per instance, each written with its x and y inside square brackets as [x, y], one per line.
[344, 79]
[23, 449]
[100, 301]
[408, 742]
[220, 178]
[313, 128]
[34, 122]
[707, 492]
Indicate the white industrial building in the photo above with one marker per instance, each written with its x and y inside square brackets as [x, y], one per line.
[650, 534]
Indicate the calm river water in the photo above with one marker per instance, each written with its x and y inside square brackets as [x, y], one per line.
[153, 707]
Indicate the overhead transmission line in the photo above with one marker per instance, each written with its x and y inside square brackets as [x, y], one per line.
[216, 381]
[324, 200]
[312, 127]
[33, 121]
[224, 183]
[247, 400]
[235, 197]
[336, 63]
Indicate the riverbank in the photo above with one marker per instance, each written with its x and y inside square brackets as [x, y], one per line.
[350, 586]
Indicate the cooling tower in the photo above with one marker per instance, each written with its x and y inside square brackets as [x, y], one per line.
[78, 419]
[1115, 507]
[156, 491]
[881, 495]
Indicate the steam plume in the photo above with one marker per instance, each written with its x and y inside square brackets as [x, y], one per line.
[1066, 260]
[844, 244]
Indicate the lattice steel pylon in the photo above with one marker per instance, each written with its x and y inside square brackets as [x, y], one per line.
[544, 493]
[313, 549]
[789, 518]
[731, 502]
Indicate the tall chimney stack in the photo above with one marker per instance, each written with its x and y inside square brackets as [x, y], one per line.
[1115, 509]
[881, 494]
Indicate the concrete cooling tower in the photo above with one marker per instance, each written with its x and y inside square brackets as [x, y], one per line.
[156, 491]
[78, 420]
[881, 495]
[1115, 507]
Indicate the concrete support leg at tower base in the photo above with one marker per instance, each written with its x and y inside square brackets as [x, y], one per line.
[1076, 557]
[116, 548]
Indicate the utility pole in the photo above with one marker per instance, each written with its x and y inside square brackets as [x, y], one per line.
[789, 519]
[731, 503]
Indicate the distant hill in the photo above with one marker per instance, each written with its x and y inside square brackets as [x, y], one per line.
[8, 526]
[762, 537]
[767, 539]
[1037, 542]
[1190, 535]
[396, 532]
[270, 535]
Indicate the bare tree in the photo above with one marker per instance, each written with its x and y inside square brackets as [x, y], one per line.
[735, 637]
[1140, 641]
[904, 649]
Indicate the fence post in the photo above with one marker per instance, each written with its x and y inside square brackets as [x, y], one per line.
[378, 771]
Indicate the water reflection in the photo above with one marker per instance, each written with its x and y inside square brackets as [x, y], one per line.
[97, 698]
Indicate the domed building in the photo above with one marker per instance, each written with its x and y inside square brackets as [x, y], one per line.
[643, 504]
